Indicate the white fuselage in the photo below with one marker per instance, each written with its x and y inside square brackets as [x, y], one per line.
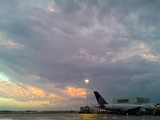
[121, 107]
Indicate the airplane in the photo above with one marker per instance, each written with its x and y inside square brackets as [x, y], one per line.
[117, 108]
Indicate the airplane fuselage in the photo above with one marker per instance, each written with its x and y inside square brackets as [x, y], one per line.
[120, 107]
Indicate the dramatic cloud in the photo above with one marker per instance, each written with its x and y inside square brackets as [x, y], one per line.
[29, 94]
[23, 92]
[49, 47]
[75, 92]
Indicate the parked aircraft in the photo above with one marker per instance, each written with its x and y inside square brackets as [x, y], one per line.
[118, 108]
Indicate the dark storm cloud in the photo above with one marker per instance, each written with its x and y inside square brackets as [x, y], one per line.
[85, 39]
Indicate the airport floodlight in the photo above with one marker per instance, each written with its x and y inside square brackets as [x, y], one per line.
[86, 81]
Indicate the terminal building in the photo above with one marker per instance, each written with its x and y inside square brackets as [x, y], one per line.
[133, 100]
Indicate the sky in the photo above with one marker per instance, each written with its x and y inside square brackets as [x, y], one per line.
[49, 47]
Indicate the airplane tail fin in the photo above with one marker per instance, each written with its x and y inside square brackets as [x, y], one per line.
[99, 98]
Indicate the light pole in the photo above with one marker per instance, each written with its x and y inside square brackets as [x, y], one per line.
[87, 81]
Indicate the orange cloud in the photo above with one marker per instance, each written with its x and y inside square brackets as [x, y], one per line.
[148, 56]
[142, 46]
[23, 92]
[37, 92]
[75, 92]
[51, 9]
[24, 95]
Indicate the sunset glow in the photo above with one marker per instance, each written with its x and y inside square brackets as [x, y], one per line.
[75, 92]
[48, 48]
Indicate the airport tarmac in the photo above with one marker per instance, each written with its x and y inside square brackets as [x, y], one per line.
[75, 117]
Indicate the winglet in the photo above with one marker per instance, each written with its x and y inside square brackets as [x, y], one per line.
[99, 98]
